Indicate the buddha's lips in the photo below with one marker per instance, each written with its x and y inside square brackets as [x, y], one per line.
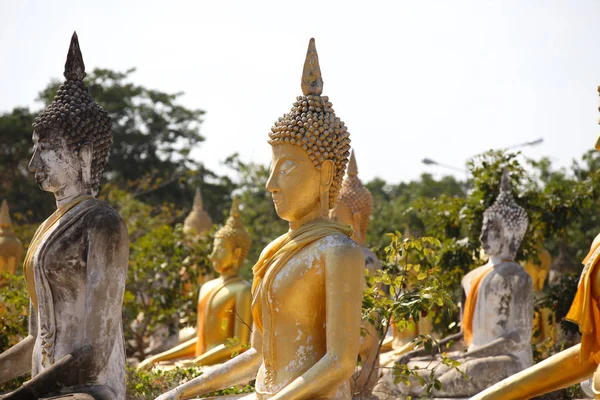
[277, 199]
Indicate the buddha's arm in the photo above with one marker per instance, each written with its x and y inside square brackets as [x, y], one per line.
[16, 361]
[344, 283]
[241, 331]
[185, 349]
[559, 371]
[107, 256]
[240, 369]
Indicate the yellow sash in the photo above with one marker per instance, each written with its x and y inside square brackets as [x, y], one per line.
[584, 309]
[37, 239]
[470, 304]
[203, 314]
[281, 250]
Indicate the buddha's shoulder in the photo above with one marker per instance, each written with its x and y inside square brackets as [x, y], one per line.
[511, 272]
[99, 215]
[239, 285]
[336, 242]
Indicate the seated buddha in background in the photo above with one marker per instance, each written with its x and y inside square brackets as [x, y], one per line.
[401, 341]
[307, 287]
[76, 265]
[223, 303]
[577, 363]
[544, 321]
[498, 311]
[11, 248]
[354, 207]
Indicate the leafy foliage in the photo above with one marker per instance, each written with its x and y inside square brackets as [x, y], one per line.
[411, 277]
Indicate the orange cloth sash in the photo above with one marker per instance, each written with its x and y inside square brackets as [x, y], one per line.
[203, 312]
[470, 304]
[584, 309]
[280, 251]
[39, 235]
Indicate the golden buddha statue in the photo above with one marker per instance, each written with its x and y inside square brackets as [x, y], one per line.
[544, 326]
[577, 363]
[198, 222]
[11, 249]
[307, 288]
[223, 304]
[354, 207]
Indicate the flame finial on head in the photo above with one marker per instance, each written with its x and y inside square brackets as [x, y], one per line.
[235, 207]
[352, 167]
[312, 82]
[505, 185]
[198, 204]
[5, 221]
[74, 67]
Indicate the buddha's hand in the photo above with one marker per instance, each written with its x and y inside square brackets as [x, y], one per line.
[170, 395]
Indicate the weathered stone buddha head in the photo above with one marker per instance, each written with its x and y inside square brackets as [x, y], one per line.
[354, 204]
[72, 136]
[310, 150]
[504, 224]
[232, 243]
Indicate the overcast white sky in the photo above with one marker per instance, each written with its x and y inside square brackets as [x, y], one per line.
[411, 79]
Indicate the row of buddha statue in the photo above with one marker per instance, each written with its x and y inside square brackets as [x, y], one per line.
[296, 328]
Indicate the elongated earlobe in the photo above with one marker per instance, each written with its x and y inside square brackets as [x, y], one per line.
[86, 154]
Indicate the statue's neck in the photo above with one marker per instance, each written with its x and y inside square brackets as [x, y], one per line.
[495, 260]
[69, 193]
[311, 216]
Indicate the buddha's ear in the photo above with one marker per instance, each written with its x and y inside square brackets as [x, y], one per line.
[327, 171]
[356, 220]
[237, 257]
[86, 154]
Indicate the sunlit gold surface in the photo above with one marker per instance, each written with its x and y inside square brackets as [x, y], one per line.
[224, 316]
[308, 282]
[544, 326]
[11, 249]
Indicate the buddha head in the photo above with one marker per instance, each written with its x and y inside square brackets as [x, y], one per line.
[504, 224]
[354, 204]
[232, 243]
[198, 222]
[72, 136]
[310, 148]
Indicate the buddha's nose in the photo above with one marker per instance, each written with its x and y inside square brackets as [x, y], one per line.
[35, 164]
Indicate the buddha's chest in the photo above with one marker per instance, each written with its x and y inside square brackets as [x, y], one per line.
[297, 295]
[62, 259]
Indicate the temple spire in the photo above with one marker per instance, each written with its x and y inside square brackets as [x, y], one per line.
[74, 67]
[5, 221]
[312, 82]
[352, 167]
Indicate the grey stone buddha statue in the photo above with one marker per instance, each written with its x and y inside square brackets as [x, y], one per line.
[497, 316]
[76, 264]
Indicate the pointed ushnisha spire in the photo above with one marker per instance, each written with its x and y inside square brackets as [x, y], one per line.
[74, 67]
[352, 167]
[312, 82]
[198, 204]
[5, 221]
[505, 185]
[235, 207]
[597, 146]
